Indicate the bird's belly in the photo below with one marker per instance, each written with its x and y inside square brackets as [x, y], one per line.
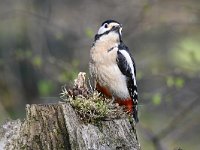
[110, 76]
[104, 69]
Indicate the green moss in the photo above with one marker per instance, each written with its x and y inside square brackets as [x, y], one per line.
[94, 108]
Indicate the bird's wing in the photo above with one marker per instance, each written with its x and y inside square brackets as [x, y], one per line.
[127, 66]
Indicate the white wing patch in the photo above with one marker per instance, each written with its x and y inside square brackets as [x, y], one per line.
[130, 63]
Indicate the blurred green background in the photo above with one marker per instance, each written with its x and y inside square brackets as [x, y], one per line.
[44, 44]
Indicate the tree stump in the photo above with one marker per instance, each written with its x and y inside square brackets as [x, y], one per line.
[59, 127]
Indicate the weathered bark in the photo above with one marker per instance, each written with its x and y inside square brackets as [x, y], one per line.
[57, 126]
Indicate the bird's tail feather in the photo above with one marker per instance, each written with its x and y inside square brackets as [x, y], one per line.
[135, 113]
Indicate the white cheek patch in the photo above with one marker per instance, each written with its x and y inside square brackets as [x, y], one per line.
[102, 30]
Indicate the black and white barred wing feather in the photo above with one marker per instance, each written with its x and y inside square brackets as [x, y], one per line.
[127, 66]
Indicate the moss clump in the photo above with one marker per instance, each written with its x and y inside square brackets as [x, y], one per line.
[93, 107]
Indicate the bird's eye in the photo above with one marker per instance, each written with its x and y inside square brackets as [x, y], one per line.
[106, 25]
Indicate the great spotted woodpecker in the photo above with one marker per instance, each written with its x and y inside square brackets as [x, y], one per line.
[112, 67]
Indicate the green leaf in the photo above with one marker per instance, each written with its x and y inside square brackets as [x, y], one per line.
[156, 99]
[45, 87]
[89, 33]
[37, 61]
[187, 54]
[179, 82]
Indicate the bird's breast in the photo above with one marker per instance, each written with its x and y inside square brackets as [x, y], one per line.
[104, 68]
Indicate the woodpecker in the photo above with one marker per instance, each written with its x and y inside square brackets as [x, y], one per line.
[112, 67]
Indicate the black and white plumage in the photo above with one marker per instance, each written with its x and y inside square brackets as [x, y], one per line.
[127, 66]
[113, 68]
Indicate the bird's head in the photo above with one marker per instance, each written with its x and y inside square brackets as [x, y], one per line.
[110, 28]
